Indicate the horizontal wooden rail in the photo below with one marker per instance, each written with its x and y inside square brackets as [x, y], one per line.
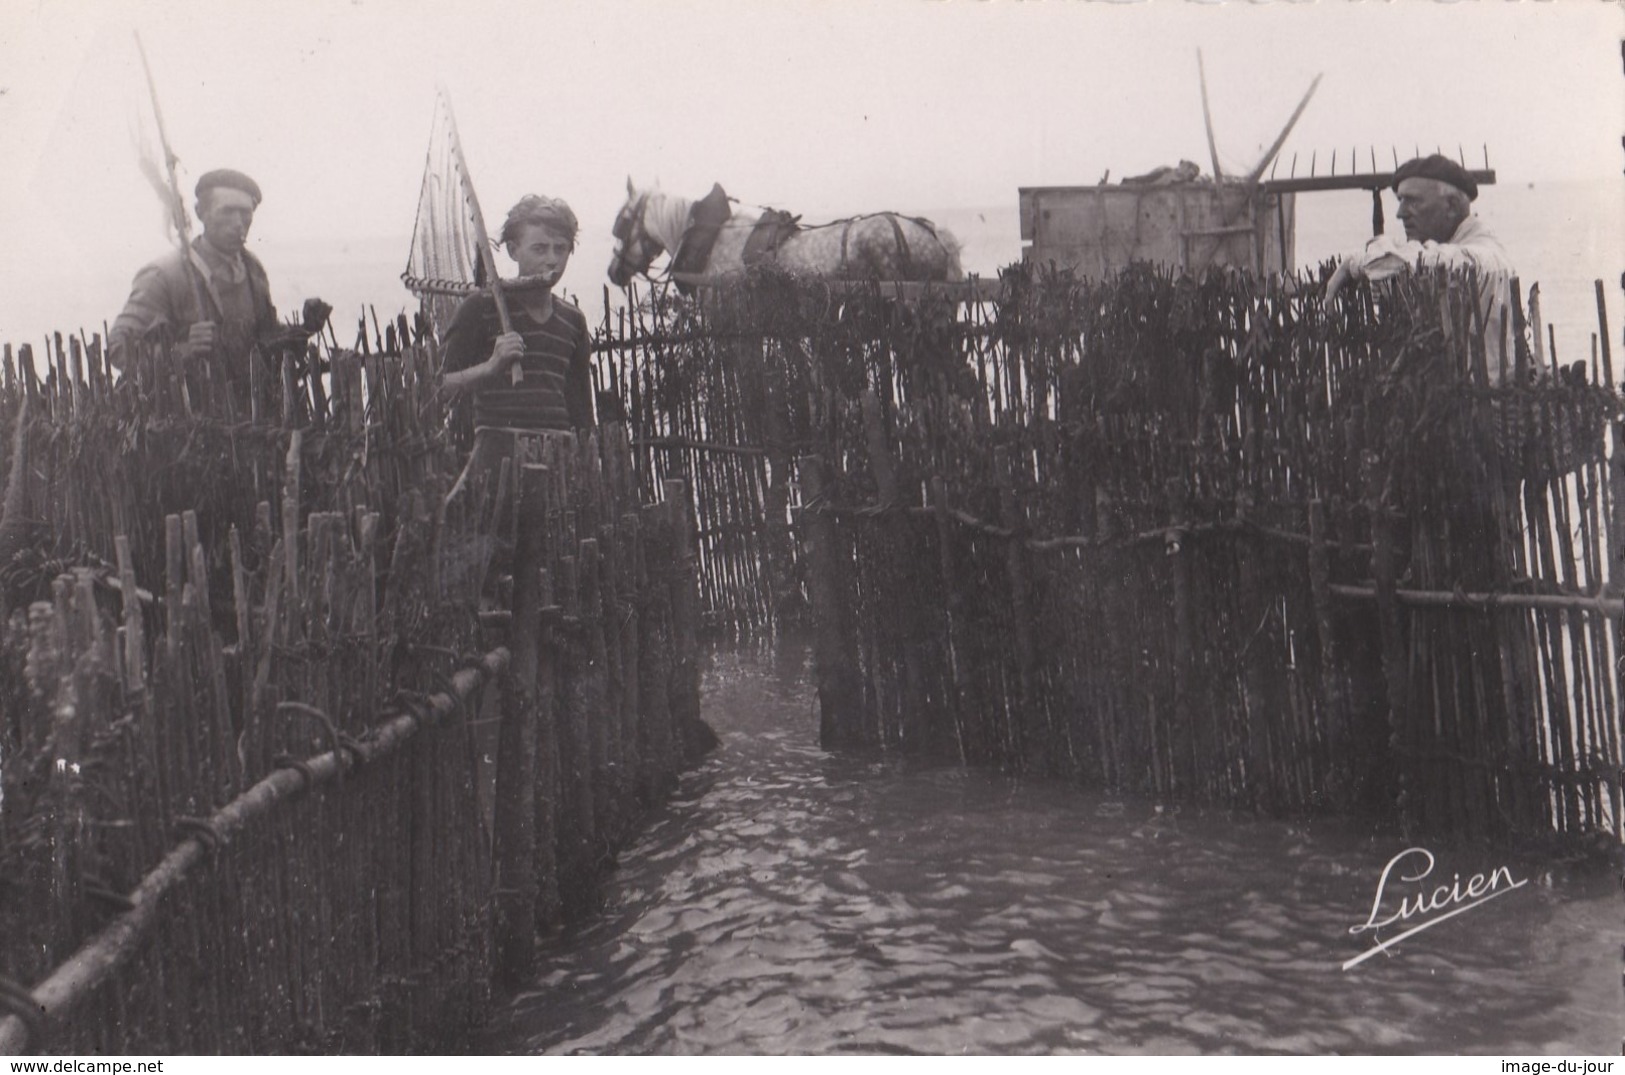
[103, 954]
[1606, 606]
[699, 445]
[1609, 606]
[1080, 541]
[1209, 233]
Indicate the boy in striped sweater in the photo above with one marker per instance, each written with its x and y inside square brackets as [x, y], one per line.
[549, 345]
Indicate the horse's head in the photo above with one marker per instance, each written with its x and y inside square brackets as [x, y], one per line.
[635, 248]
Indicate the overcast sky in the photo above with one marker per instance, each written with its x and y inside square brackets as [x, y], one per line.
[820, 106]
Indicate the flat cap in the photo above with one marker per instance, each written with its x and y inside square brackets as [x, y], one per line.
[228, 177]
[1437, 166]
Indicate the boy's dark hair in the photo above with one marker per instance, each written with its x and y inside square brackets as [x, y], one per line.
[536, 210]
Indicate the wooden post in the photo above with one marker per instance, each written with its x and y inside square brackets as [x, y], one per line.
[1388, 767]
[75, 373]
[549, 910]
[909, 635]
[135, 648]
[595, 715]
[1116, 700]
[1268, 784]
[656, 742]
[631, 593]
[26, 371]
[290, 517]
[785, 594]
[616, 758]
[1184, 774]
[286, 365]
[685, 615]
[1534, 331]
[65, 786]
[840, 697]
[579, 823]
[880, 460]
[959, 698]
[515, 812]
[1616, 570]
[210, 674]
[366, 610]
[1030, 738]
[174, 580]
[1520, 349]
[1607, 349]
[1333, 697]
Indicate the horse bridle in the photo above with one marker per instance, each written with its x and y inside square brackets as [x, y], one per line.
[629, 232]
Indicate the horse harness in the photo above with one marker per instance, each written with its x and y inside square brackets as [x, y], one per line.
[628, 224]
[705, 220]
[772, 230]
[777, 226]
[907, 259]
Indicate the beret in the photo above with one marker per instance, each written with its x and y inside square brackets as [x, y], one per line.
[1437, 166]
[227, 177]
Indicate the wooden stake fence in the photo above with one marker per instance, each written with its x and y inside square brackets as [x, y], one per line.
[1202, 539]
[244, 809]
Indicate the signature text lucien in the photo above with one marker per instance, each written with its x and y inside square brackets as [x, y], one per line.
[1427, 904]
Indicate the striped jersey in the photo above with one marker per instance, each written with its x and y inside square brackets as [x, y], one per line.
[556, 392]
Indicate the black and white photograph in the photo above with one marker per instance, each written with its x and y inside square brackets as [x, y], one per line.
[812, 528]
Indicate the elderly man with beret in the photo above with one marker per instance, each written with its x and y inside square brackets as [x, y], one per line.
[1435, 198]
[212, 301]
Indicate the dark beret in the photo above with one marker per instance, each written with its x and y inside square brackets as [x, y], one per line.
[1437, 166]
[227, 177]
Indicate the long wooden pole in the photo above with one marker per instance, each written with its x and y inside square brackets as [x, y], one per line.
[1280, 139]
[1207, 120]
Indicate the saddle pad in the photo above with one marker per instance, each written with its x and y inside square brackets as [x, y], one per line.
[705, 221]
[770, 232]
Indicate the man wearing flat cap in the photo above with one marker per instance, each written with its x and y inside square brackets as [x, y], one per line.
[212, 301]
[1435, 198]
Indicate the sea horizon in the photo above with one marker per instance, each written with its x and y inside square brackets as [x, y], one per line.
[1562, 235]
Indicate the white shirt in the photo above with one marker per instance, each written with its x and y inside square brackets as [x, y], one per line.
[1470, 246]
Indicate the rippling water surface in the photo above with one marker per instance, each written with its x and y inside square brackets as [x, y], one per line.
[791, 901]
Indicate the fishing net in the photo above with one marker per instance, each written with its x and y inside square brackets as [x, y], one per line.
[154, 158]
[444, 265]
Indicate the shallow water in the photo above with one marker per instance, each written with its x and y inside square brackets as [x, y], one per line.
[791, 901]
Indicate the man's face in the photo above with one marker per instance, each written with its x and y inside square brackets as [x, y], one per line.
[227, 214]
[1427, 210]
[540, 252]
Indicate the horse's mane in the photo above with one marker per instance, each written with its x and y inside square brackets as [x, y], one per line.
[665, 216]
